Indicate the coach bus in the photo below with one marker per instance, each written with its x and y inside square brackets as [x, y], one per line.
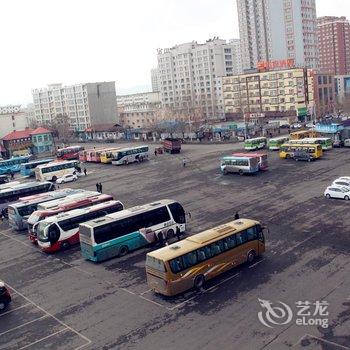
[19, 212]
[303, 134]
[62, 230]
[119, 233]
[275, 143]
[93, 155]
[261, 157]
[71, 202]
[28, 169]
[69, 153]
[13, 194]
[255, 144]
[107, 155]
[195, 260]
[12, 165]
[130, 155]
[83, 154]
[239, 164]
[9, 185]
[288, 149]
[325, 142]
[52, 171]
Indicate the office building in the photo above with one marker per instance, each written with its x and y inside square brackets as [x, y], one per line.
[84, 105]
[155, 80]
[190, 75]
[273, 30]
[334, 45]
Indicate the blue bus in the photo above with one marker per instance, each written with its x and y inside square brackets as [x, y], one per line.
[27, 169]
[118, 233]
[12, 165]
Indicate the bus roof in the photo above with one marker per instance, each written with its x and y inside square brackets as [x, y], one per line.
[235, 156]
[203, 238]
[127, 212]
[250, 154]
[279, 138]
[256, 139]
[77, 212]
[292, 143]
[82, 194]
[56, 162]
[25, 185]
[127, 148]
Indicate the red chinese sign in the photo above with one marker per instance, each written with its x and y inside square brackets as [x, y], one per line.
[267, 65]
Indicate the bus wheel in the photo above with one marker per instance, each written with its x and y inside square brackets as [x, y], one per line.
[123, 250]
[140, 159]
[199, 282]
[287, 156]
[5, 213]
[240, 172]
[346, 198]
[125, 162]
[251, 256]
[3, 305]
[170, 234]
[224, 172]
[54, 178]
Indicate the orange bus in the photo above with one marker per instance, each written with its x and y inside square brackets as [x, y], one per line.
[303, 134]
[193, 261]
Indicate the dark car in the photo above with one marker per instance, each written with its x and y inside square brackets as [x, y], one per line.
[302, 155]
[5, 297]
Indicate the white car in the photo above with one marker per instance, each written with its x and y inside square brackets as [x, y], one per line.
[296, 126]
[67, 178]
[342, 182]
[335, 191]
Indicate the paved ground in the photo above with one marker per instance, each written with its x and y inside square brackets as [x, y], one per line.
[63, 302]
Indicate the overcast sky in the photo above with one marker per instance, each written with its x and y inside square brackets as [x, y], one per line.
[73, 41]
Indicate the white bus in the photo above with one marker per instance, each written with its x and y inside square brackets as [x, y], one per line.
[130, 155]
[62, 230]
[52, 171]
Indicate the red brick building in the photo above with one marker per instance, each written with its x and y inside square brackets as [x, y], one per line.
[334, 45]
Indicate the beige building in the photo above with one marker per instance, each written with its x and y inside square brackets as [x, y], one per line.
[12, 118]
[273, 93]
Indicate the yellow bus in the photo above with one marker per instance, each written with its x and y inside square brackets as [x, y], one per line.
[303, 134]
[193, 261]
[287, 150]
[107, 155]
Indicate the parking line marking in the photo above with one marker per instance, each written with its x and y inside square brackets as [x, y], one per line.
[54, 317]
[124, 289]
[23, 324]
[151, 301]
[257, 263]
[324, 341]
[148, 290]
[17, 308]
[41, 339]
[297, 245]
[82, 346]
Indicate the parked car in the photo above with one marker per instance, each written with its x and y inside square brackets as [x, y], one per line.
[346, 178]
[302, 155]
[296, 126]
[341, 182]
[335, 191]
[67, 178]
[5, 296]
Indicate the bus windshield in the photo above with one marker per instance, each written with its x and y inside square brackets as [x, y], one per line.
[41, 232]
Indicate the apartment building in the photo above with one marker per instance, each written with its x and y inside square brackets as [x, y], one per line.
[277, 30]
[334, 45]
[138, 111]
[12, 118]
[85, 105]
[190, 76]
[155, 80]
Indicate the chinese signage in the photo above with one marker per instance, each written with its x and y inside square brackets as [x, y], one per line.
[10, 109]
[270, 65]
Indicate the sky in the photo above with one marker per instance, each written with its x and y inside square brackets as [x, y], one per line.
[77, 41]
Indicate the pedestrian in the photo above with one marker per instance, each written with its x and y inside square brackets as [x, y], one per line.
[12, 175]
[100, 185]
[178, 233]
[183, 162]
[161, 239]
[155, 152]
[85, 172]
[236, 215]
[97, 187]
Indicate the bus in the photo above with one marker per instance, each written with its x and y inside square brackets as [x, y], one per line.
[93, 155]
[325, 142]
[303, 134]
[62, 230]
[9, 184]
[275, 143]
[119, 233]
[83, 155]
[19, 212]
[288, 149]
[239, 164]
[261, 157]
[12, 165]
[130, 155]
[28, 169]
[52, 171]
[193, 261]
[107, 155]
[13, 194]
[70, 203]
[69, 153]
[255, 144]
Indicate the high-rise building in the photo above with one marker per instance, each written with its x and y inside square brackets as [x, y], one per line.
[85, 105]
[334, 45]
[190, 76]
[155, 80]
[273, 30]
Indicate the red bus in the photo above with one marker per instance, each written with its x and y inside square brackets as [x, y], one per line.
[261, 157]
[93, 155]
[40, 215]
[68, 153]
[62, 230]
[83, 155]
[172, 145]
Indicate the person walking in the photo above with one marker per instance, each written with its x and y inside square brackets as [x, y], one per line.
[184, 162]
[155, 152]
[236, 215]
[178, 233]
[97, 187]
[160, 239]
[12, 175]
[85, 172]
[100, 185]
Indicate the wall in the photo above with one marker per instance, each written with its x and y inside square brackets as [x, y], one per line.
[11, 122]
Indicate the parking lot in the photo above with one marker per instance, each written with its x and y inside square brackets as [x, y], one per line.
[63, 302]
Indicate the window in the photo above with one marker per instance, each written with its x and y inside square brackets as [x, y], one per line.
[178, 213]
[242, 237]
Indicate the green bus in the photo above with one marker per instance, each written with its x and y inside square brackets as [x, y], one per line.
[255, 144]
[275, 143]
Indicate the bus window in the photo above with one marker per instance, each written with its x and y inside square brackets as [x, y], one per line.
[215, 249]
[176, 265]
[251, 232]
[242, 237]
[189, 259]
[178, 213]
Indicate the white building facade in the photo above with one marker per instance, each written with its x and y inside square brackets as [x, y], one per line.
[85, 104]
[272, 30]
[12, 118]
[155, 80]
[190, 76]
